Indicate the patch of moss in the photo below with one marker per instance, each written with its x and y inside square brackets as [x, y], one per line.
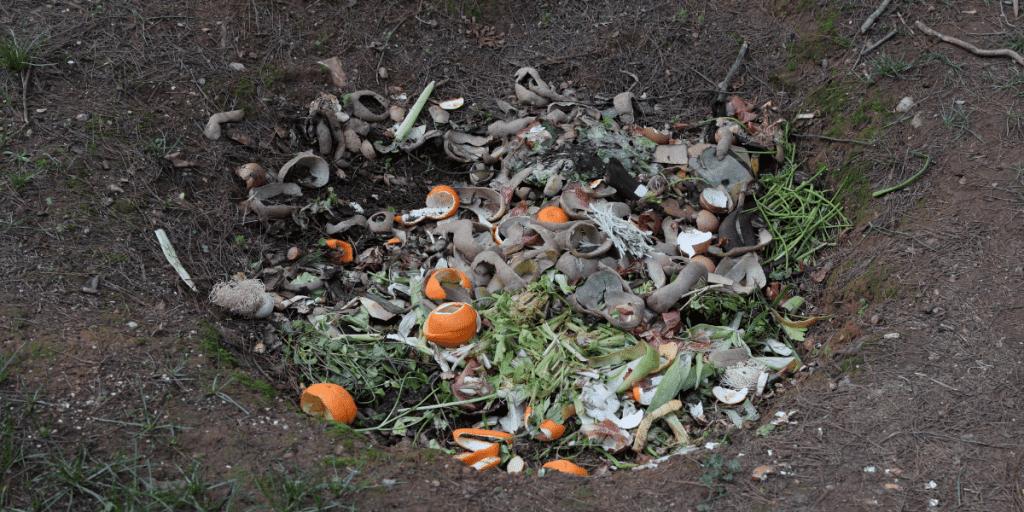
[823, 42]
[856, 194]
[116, 257]
[851, 365]
[210, 341]
[123, 206]
[347, 435]
[872, 286]
[258, 385]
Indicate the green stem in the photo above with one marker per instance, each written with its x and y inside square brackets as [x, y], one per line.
[414, 112]
[450, 404]
[927, 161]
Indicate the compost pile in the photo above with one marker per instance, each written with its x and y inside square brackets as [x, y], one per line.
[594, 289]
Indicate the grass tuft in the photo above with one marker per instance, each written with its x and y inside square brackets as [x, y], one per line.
[15, 56]
[888, 66]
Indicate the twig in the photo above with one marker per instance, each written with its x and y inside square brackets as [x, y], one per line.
[1002, 52]
[24, 93]
[947, 386]
[874, 16]
[380, 59]
[832, 139]
[944, 436]
[635, 79]
[959, 502]
[724, 84]
[880, 42]
[1002, 13]
[908, 235]
[927, 162]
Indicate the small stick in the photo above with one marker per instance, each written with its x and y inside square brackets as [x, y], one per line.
[1002, 52]
[832, 139]
[724, 84]
[927, 161]
[1002, 13]
[874, 16]
[880, 42]
[24, 93]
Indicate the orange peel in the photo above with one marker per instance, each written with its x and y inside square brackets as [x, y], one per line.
[445, 200]
[553, 214]
[482, 458]
[475, 439]
[550, 431]
[446, 277]
[565, 466]
[329, 401]
[451, 324]
[344, 248]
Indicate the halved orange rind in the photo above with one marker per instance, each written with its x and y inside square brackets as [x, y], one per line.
[449, 277]
[451, 324]
[329, 401]
[565, 466]
[442, 202]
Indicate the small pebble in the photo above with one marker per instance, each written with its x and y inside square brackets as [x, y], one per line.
[237, 66]
[133, 325]
[905, 104]
[382, 73]
[82, 117]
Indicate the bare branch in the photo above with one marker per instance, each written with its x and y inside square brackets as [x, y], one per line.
[1002, 52]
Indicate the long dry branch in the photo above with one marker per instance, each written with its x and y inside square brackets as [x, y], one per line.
[1002, 52]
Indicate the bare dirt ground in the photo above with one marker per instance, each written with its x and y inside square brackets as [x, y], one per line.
[145, 396]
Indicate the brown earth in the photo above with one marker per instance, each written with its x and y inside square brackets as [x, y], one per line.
[148, 374]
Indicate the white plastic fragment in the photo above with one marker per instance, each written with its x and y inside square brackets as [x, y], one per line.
[870, 469]
[172, 258]
[892, 336]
